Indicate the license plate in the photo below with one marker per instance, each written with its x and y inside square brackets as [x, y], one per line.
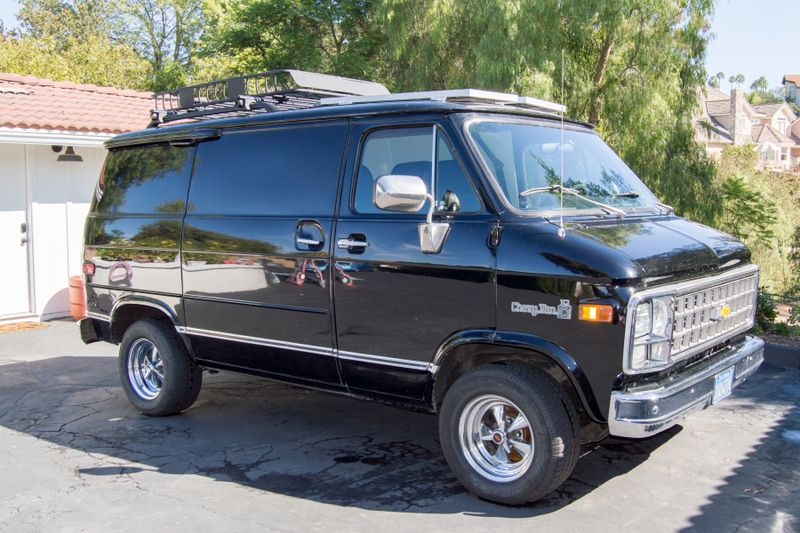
[723, 384]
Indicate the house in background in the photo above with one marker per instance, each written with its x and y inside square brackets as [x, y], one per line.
[791, 82]
[772, 129]
[51, 151]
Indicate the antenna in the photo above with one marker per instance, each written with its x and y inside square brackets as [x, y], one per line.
[562, 232]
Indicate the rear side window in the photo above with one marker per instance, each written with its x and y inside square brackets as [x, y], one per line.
[290, 171]
[411, 151]
[145, 179]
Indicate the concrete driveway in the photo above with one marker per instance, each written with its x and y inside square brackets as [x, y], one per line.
[258, 456]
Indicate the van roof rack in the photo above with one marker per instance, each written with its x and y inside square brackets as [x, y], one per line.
[274, 90]
[467, 96]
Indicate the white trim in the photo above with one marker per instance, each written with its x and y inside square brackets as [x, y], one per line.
[476, 95]
[388, 361]
[53, 137]
[309, 348]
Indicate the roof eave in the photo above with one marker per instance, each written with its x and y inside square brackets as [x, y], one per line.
[52, 137]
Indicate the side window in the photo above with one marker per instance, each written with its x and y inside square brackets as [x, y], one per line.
[411, 151]
[288, 171]
[395, 151]
[453, 191]
[145, 179]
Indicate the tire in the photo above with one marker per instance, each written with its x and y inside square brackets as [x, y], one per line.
[177, 388]
[468, 411]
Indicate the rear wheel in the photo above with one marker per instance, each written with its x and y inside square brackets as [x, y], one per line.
[157, 373]
[508, 433]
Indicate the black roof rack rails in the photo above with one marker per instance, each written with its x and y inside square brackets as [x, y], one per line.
[274, 90]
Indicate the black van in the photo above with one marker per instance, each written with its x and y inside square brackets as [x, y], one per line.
[465, 253]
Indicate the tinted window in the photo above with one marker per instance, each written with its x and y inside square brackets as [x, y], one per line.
[410, 151]
[145, 179]
[283, 171]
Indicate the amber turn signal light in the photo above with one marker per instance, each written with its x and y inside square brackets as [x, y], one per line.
[596, 312]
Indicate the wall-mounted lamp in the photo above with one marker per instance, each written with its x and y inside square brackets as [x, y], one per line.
[69, 155]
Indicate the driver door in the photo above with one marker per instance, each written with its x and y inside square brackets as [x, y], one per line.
[394, 304]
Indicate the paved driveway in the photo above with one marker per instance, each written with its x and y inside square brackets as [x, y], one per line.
[254, 455]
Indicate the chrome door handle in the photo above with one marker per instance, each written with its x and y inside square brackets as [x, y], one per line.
[349, 243]
[308, 242]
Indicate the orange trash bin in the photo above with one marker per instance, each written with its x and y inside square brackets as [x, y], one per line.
[77, 308]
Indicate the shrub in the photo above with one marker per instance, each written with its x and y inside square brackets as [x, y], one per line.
[794, 316]
[766, 312]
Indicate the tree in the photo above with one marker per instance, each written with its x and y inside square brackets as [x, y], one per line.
[632, 68]
[166, 33]
[70, 40]
[339, 37]
[760, 84]
[738, 79]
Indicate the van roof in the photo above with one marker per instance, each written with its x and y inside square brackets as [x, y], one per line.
[203, 128]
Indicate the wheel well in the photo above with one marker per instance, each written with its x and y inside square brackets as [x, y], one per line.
[130, 313]
[470, 356]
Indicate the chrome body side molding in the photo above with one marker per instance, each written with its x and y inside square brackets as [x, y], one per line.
[311, 348]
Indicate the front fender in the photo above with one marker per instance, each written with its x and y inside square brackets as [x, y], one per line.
[500, 344]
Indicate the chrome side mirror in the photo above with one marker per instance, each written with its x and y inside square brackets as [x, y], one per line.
[394, 192]
[408, 194]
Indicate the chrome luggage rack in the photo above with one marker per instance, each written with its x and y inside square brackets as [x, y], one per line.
[287, 89]
[274, 90]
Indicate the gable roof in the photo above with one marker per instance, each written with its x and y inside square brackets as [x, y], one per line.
[794, 78]
[37, 103]
[765, 133]
[771, 109]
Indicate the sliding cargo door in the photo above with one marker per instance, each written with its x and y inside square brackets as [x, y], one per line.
[256, 250]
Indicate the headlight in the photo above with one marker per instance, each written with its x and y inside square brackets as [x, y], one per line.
[652, 335]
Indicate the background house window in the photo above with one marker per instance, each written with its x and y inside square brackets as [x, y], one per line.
[782, 125]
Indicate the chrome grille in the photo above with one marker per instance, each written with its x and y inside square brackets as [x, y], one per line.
[714, 313]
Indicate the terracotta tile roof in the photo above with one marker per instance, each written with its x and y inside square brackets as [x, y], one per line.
[30, 102]
[794, 78]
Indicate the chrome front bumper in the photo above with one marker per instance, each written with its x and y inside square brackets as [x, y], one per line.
[649, 409]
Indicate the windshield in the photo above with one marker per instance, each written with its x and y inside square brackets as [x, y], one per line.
[525, 161]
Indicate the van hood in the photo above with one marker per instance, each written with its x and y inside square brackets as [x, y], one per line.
[668, 248]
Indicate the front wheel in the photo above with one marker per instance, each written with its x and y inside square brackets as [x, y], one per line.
[508, 433]
[157, 373]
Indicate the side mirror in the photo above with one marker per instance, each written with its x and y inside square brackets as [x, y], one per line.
[408, 194]
[394, 192]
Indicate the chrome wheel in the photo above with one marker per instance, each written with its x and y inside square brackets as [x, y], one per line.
[496, 438]
[145, 369]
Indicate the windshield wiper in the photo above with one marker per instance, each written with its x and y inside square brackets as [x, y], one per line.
[629, 194]
[573, 192]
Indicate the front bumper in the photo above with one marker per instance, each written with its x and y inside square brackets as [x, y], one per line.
[646, 410]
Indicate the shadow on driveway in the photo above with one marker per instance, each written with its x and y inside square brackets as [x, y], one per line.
[763, 493]
[272, 437]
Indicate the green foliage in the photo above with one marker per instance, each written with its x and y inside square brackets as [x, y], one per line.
[338, 37]
[166, 33]
[766, 311]
[759, 84]
[794, 316]
[70, 40]
[632, 68]
[759, 97]
[748, 214]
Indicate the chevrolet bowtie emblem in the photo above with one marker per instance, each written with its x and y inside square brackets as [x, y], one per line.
[718, 313]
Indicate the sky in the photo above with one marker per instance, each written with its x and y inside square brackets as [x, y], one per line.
[752, 37]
